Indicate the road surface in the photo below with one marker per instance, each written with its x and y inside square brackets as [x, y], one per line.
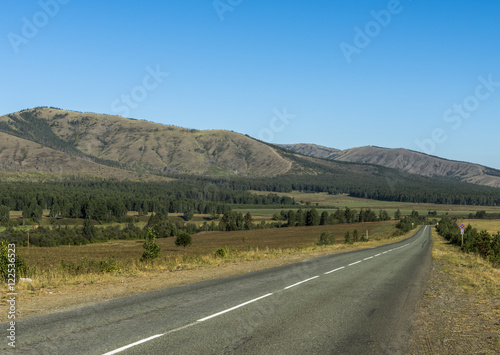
[361, 302]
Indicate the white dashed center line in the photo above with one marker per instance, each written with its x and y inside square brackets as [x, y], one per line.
[357, 262]
[340, 268]
[301, 282]
[251, 301]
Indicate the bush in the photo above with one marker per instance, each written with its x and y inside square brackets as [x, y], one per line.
[152, 249]
[326, 239]
[222, 252]
[482, 243]
[348, 239]
[183, 240]
[7, 258]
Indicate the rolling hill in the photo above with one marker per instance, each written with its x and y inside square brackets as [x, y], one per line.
[43, 143]
[53, 140]
[406, 160]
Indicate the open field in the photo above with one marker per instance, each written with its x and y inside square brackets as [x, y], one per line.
[492, 226]
[323, 201]
[55, 289]
[204, 244]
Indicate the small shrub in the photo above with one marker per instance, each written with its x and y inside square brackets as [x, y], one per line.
[348, 239]
[152, 249]
[222, 252]
[326, 239]
[7, 259]
[183, 240]
[355, 236]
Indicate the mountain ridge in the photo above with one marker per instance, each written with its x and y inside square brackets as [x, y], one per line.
[140, 145]
[47, 139]
[406, 160]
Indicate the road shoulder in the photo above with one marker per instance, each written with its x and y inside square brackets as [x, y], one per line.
[459, 312]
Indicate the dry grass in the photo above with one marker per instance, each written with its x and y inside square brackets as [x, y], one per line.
[205, 243]
[54, 289]
[492, 226]
[460, 311]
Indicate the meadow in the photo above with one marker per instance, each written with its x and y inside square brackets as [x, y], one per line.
[491, 226]
[127, 253]
[324, 202]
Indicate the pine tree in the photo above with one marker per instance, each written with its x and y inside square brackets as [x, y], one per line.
[4, 214]
[348, 238]
[152, 249]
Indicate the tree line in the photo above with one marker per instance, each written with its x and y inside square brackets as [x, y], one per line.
[474, 241]
[110, 200]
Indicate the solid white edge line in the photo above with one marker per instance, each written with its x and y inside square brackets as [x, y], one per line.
[133, 344]
[357, 262]
[340, 268]
[301, 282]
[233, 308]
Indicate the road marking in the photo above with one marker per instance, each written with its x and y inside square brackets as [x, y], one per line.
[233, 308]
[340, 268]
[134, 344]
[301, 282]
[246, 303]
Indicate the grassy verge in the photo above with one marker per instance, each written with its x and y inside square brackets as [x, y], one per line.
[460, 311]
[490, 225]
[112, 270]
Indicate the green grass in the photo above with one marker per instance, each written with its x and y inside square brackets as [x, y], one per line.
[323, 201]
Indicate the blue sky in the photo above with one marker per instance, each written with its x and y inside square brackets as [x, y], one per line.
[421, 74]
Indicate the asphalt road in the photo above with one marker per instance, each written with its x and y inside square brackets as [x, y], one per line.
[361, 302]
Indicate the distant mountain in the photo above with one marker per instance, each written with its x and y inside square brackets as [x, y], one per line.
[50, 140]
[406, 160]
[48, 143]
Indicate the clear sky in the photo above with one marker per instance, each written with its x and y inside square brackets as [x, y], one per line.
[422, 74]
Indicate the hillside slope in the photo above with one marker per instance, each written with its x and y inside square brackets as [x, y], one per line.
[131, 144]
[406, 160]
